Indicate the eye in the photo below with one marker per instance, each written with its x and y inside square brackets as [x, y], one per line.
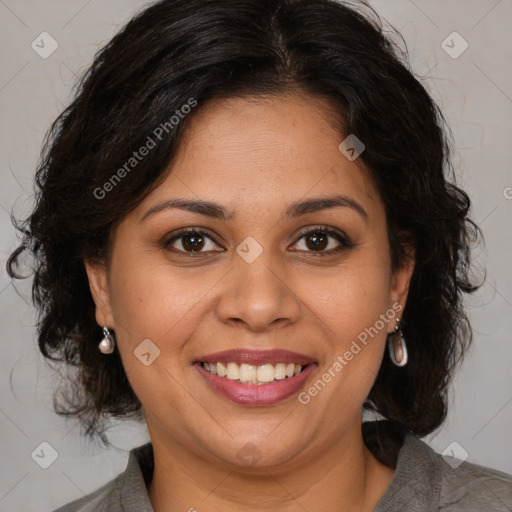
[192, 240]
[322, 240]
[319, 240]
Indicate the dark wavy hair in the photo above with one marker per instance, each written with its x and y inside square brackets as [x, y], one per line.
[176, 50]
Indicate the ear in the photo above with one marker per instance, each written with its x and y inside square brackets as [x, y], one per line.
[401, 280]
[98, 283]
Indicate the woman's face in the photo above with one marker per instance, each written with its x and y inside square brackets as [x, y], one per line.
[256, 174]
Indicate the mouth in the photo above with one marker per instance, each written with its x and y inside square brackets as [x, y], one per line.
[250, 374]
[249, 377]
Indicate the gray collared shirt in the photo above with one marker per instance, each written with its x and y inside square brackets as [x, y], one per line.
[423, 482]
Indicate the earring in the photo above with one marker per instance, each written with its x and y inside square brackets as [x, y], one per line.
[107, 344]
[397, 347]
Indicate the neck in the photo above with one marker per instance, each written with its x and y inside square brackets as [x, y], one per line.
[345, 476]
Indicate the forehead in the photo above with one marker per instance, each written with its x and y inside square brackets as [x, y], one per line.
[261, 151]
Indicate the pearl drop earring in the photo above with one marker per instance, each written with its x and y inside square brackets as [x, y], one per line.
[107, 344]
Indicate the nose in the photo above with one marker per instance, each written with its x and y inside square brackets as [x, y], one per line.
[258, 297]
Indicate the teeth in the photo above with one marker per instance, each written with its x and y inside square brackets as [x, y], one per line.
[233, 371]
[221, 370]
[280, 371]
[248, 372]
[251, 374]
[266, 373]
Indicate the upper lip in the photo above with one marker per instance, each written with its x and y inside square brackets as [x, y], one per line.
[256, 357]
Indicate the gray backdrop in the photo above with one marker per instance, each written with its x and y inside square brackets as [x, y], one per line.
[474, 88]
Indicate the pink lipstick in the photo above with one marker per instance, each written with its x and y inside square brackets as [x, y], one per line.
[255, 377]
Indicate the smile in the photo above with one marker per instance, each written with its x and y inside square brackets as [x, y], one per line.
[255, 377]
[252, 374]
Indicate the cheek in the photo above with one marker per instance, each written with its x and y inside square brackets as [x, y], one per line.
[353, 299]
[150, 302]
[354, 308]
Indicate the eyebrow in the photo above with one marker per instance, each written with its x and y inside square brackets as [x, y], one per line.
[294, 210]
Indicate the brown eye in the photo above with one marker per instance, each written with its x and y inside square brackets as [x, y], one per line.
[322, 241]
[316, 241]
[191, 241]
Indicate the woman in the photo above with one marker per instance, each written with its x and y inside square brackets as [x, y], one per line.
[245, 236]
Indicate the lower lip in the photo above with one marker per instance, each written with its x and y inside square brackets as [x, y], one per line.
[254, 394]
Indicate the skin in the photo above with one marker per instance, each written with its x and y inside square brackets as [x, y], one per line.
[255, 157]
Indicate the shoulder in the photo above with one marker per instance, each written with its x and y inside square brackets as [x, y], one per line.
[127, 492]
[455, 486]
[472, 487]
[101, 500]
[425, 480]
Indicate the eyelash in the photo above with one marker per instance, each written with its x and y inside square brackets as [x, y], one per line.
[345, 243]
